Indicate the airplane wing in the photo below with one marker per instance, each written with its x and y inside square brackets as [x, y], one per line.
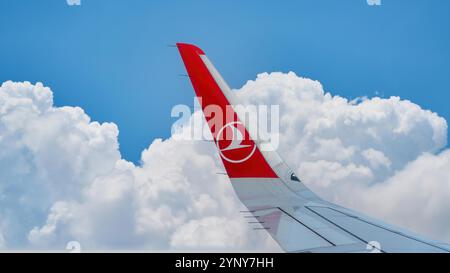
[276, 199]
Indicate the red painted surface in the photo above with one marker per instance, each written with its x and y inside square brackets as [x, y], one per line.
[210, 93]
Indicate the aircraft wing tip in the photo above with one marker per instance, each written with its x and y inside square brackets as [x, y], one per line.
[186, 46]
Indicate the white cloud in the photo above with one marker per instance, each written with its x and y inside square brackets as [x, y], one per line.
[358, 153]
[418, 196]
[62, 177]
[376, 158]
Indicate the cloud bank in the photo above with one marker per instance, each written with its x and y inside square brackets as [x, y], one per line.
[62, 177]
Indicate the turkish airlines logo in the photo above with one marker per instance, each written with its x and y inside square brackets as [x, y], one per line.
[234, 143]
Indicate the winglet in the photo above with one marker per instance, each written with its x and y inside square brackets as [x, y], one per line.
[239, 153]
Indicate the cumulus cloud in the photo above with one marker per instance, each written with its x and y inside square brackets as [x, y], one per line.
[62, 177]
[417, 196]
[357, 153]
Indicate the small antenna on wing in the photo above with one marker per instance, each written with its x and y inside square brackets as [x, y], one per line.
[170, 45]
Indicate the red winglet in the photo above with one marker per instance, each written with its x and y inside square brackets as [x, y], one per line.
[241, 158]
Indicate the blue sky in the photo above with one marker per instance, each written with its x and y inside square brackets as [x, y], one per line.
[111, 59]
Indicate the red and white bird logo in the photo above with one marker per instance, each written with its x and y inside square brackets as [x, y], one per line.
[234, 143]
